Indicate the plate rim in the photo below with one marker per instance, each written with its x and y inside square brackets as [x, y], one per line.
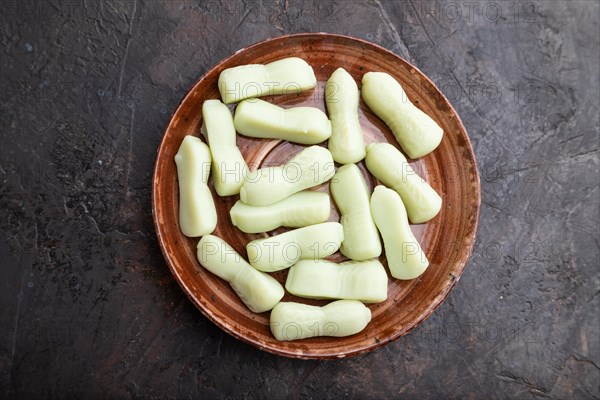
[438, 300]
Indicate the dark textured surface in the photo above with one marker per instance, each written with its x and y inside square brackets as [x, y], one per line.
[88, 306]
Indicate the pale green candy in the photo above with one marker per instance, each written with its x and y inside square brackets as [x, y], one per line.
[350, 192]
[346, 144]
[288, 75]
[284, 250]
[229, 166]
[417, 133]
[300, 209]
[259, 291]
[197, 213]
[294, 321]
[390, 166]
[261, 119]
[310, 167]
[365, 281]
[405, 257]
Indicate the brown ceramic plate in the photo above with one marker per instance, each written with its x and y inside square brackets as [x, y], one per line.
[451, 170]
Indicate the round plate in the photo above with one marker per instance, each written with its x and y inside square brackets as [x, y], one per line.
[451, 170]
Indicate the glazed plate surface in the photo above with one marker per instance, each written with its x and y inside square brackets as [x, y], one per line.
[451, 170]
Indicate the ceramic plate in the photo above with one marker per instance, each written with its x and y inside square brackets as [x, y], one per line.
[451, 170]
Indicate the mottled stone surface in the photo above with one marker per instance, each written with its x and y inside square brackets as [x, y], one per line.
[88, 306]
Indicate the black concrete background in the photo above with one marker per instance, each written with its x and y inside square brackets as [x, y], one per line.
[88, 306]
